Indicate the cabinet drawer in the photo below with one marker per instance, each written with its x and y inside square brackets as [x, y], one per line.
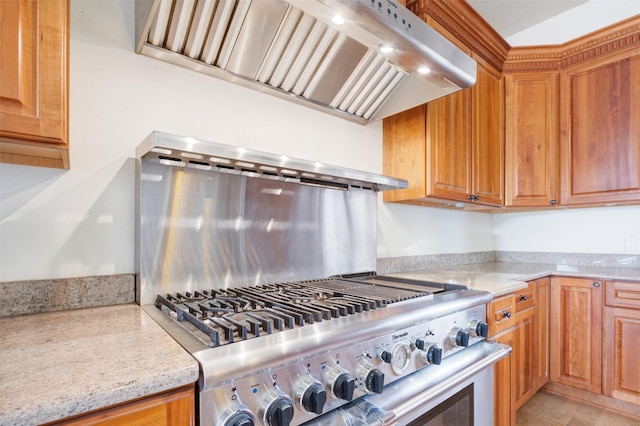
[622, 294]
[500, 314]
[525, 298]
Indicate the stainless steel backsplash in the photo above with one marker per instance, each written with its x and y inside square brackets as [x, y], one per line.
[216, 229]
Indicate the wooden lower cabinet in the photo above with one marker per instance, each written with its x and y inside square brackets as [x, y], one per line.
[531, 340]
[173, 408]
[504, 413]
[524, 352]
[621, 369]
[576, 332]
[621, 373]
[541, 331]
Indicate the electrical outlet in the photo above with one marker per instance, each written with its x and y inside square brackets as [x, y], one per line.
[631, 243]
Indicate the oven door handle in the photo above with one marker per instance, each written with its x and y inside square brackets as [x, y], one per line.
[496, 351]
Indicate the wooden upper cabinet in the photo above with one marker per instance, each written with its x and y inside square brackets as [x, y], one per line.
[452, 148]
[448, 121]
[600, 130]
[531, 145]
[33, 82]
[488, 135]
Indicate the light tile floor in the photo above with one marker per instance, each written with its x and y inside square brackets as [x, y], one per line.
[545, 409]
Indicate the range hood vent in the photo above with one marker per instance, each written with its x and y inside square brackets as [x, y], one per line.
[293, 49]
[188, 152]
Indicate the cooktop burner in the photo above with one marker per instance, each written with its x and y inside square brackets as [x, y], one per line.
[220, 317]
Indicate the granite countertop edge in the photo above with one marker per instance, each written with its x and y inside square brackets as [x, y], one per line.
[79, 369]
[501, 278]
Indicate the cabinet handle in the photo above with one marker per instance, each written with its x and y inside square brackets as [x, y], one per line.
[596, 284]
[506, 314]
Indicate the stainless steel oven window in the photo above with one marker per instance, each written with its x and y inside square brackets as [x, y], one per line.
[455, 411]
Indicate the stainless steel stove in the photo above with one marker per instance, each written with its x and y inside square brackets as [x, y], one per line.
[254, 264]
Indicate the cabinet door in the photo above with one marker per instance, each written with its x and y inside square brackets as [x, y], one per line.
[524, 355]
[531, 132]
[600, 130]
[449, 146]
[504, 413]
[541, 325]
[488, 135]
[404, 152]
[576, 333]
[33, 82]
[621, 367]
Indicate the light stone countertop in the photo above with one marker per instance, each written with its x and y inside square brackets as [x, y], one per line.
[506, 277]
[59, 364]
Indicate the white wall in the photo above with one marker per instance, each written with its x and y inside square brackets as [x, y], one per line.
[56, 224]
[596, 230]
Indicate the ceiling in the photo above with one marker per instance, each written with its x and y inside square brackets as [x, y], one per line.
[512, 17]
[531, 22]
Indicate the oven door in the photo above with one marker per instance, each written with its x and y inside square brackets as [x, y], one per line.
[457, 392]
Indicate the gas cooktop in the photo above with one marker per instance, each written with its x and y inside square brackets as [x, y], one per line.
[220, 317]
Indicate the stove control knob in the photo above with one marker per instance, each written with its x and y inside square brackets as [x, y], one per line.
[279, 412]
[370, 378]
[240, 419]
[374, 381]
[314, 398]
[344, 387]
[458, 337]
[310, 394]
[478, 328]
[339, 383]
[431, 354]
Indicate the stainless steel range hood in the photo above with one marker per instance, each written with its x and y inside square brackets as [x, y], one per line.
[294, 50]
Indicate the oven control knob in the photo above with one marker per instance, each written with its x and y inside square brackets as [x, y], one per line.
[339, 383]
[279, 412]
[310, 394]
[374, 381]
[240, 419]
[314, 398]
[458, 337]
[478, 328]
[431, 354]
[370, 378]
[344, 386]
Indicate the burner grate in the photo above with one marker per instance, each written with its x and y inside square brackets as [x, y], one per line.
[226, 316]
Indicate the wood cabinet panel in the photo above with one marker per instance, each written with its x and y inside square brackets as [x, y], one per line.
[531, 145]
[576, 332]
[600, 130]
[622, 294]
[621, 372]
[33, 82]
[448, 146]
[504, 413]
[173, 408]
[500, 314]
[541, 324]
[524, 352]
[488, 135]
